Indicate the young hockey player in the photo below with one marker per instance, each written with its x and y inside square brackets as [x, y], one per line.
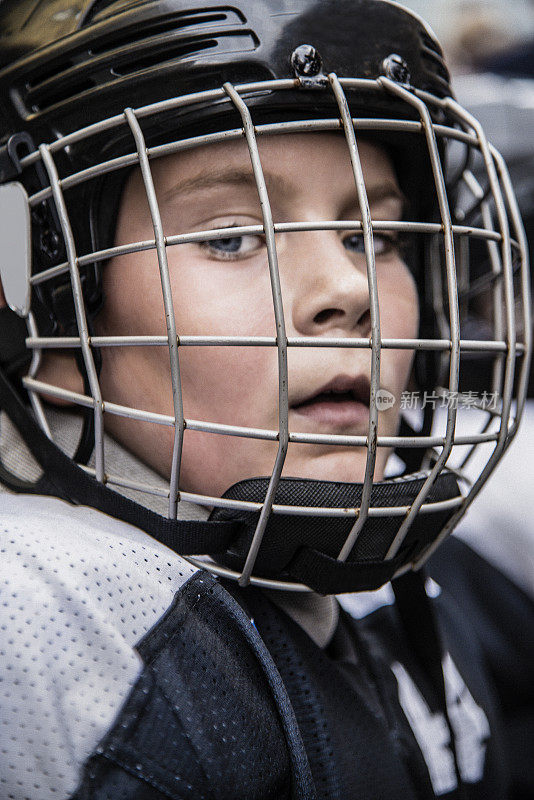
[237, 239]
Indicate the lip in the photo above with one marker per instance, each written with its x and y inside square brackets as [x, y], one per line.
[343, 402]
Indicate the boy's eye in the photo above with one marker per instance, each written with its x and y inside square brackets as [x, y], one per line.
[382, 244]
[234, 247]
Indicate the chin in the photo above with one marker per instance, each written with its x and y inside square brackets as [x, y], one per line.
[342, 467]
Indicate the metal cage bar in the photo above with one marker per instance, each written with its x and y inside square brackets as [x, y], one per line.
[281, 338]
[367, 230]
[173, 103]
[33, 369]
[265, 129]
[251, 230]
[494, 160]
[170, 317]
[252, 433]
[79, 307]
[497, 271]
[466, 345]
[445, 214]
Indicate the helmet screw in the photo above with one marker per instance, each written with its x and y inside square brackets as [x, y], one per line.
[306, 61]
[396, 68]
[49, 242]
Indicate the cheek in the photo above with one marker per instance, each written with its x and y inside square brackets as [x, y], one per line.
[399, 304]
[399, 319]
[220, 299]
[224, 383]
[231, 385]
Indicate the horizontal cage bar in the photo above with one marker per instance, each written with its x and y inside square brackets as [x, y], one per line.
[309, 511]
[171, 104]
[252, 433]
[466, 345]
[266, 129]
[215, 234]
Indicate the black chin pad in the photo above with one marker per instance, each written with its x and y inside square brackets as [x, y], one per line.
[305, 548]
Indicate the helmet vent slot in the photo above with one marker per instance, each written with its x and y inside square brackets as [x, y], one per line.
[115, 55]
[137, 34]
[49, 74]
[432, 56]
[141, 63]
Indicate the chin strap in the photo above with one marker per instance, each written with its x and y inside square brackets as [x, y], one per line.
[327, 575]
[305, 548]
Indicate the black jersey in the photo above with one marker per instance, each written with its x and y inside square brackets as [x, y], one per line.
[128, 674]
[358, 719]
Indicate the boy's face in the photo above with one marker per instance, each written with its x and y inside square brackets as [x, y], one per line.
[223, 288]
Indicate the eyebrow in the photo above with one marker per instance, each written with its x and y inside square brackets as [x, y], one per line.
[226, 177]
[380, 193]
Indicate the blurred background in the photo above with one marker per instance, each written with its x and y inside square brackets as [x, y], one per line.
[474, 32]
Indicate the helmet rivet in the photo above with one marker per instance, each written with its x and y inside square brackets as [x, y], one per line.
[49, 242]
[306, 61]
[396, 68]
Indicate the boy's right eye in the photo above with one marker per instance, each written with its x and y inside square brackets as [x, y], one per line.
[234, 247]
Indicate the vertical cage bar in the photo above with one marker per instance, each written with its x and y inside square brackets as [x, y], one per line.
[508, 289]
[79, 307]
[281, 338]
[452, 289]
[161, 250]
[521, 238]
[367, 229]
[496, 268]
[498, 322]
[35, 363]
[438, 302]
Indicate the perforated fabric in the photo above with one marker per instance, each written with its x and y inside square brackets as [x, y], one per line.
[341, 711]
[78, 589]
[209, 718]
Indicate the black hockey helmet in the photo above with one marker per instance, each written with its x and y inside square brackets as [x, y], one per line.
[90, 89]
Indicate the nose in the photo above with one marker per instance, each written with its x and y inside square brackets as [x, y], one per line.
[330, 291]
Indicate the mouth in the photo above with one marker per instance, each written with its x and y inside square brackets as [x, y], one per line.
[341, 403]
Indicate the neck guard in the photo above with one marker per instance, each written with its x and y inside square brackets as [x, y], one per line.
[304, 548]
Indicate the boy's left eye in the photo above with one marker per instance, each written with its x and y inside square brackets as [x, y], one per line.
[234, 247]
[382, 244]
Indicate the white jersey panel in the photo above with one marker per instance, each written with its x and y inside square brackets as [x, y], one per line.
[78, 590]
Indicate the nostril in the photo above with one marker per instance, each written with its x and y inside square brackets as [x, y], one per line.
[326, 315]
[364, 323]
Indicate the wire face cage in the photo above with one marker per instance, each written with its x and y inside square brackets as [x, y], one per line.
[476, 267]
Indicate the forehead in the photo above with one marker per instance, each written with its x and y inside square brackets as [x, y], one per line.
[311, 162]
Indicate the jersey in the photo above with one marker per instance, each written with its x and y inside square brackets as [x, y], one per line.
[128, 673]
